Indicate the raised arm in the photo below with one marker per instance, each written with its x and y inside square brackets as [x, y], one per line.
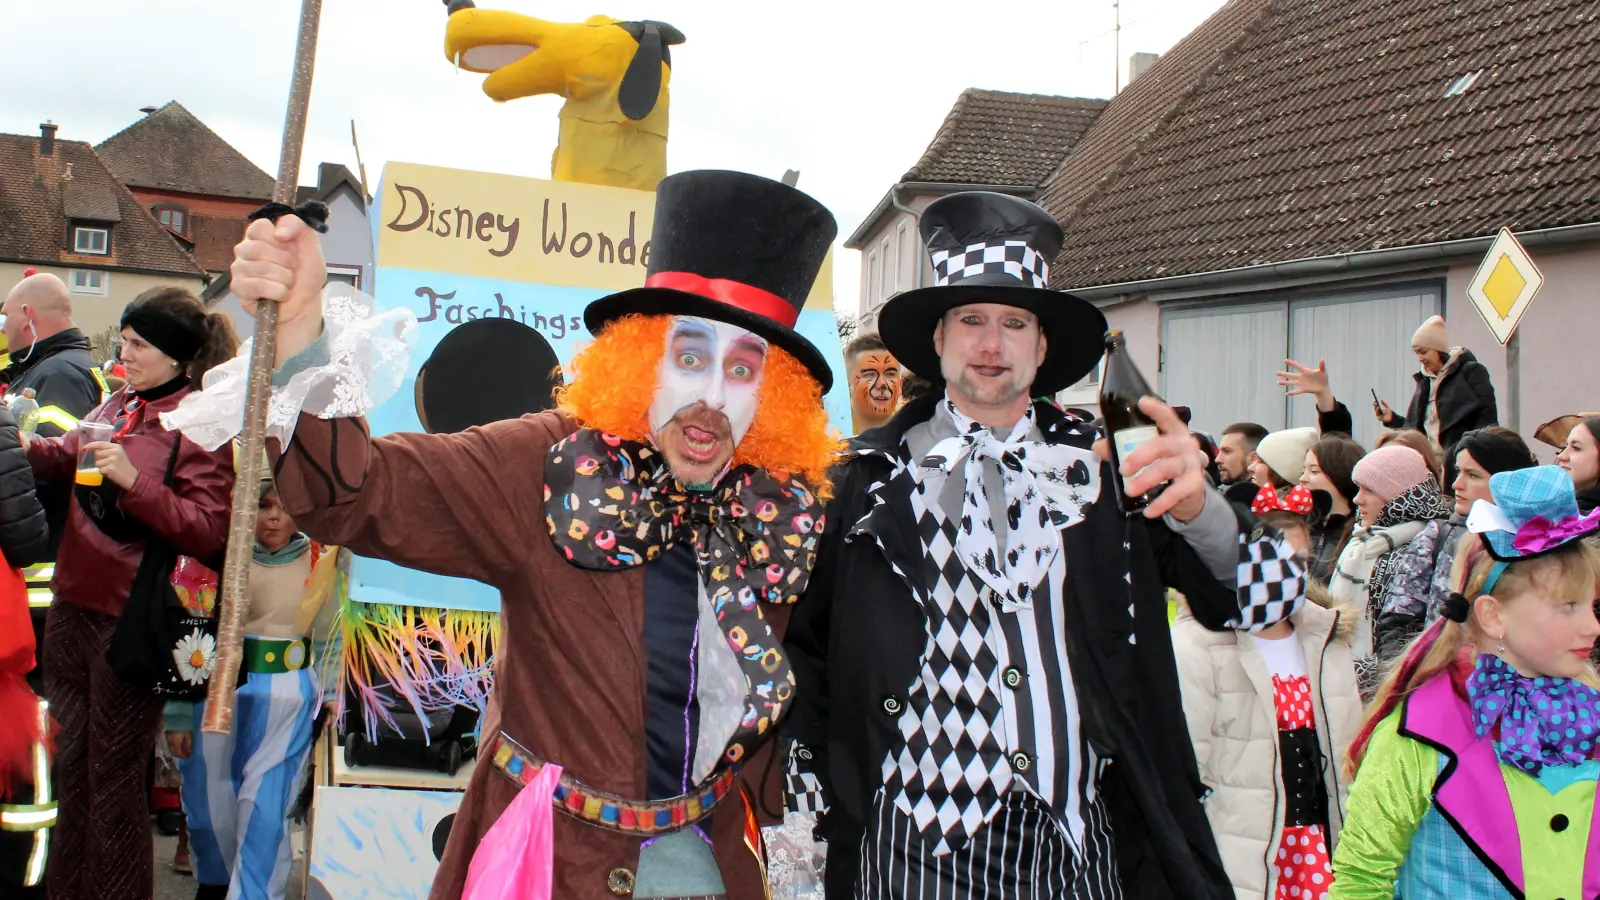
[452, 504]
[461, 505]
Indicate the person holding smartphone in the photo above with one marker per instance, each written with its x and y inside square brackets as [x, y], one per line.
[1453, 393]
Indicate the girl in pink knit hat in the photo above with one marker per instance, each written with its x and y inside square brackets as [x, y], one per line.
[1398, 496]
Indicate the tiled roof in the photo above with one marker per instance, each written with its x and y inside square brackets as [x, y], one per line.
[36, 200]
[1302, 129]
[995, 137]
[83, 198]
[171, 150]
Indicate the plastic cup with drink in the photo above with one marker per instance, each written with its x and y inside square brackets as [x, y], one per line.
[89, 474]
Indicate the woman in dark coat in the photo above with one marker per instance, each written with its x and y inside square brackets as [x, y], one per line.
[1453, 394]
[152, 483]
[1328, 468]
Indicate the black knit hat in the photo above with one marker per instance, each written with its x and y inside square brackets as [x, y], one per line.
[736, 248]
[994, 248]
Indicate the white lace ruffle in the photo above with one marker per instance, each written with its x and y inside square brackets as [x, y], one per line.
[368, 351]
[796, 862]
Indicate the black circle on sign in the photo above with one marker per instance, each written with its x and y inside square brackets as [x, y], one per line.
[486, 370]
[441, 835]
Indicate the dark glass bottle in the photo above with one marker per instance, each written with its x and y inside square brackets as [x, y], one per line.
[1122, 385]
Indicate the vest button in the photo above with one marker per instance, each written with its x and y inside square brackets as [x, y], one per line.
[1558, 823]
[1013, 677]
[619, 881]
[891, 706]
[1021, 761]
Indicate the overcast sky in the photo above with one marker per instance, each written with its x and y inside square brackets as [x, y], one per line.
[849, 93]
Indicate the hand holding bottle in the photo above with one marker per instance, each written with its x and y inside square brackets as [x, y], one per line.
[1148, 444]
[1167, 458]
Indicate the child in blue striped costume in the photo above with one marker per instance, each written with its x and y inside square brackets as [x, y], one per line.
[238, 787]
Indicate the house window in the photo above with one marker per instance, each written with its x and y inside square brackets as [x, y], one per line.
[175, 218]
[350, 275]
[90, 281]
[873, 298]
[886, 259]
[906, 275]
[95, 241]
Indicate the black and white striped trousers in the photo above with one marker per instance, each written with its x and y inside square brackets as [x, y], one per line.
[1021, 854]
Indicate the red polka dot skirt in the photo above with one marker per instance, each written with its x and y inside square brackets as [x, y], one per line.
[1304, 865]
[1305, 869]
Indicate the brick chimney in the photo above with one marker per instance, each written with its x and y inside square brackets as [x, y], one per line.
[47, 138]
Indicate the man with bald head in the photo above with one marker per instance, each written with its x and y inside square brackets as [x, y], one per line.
[50, 355]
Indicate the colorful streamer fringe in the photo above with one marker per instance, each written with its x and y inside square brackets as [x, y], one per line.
[432, 659]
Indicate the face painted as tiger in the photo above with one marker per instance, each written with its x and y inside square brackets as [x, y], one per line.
[874, 388]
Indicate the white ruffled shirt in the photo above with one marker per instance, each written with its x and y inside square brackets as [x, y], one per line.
[356, 365]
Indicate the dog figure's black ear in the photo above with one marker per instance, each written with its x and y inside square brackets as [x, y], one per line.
[641, 84]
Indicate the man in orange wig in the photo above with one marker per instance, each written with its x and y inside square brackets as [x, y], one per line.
[647, 538]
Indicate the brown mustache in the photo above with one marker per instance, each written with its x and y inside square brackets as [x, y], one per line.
[707, 419]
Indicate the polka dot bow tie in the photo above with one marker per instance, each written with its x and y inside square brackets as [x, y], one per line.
[1543, 721]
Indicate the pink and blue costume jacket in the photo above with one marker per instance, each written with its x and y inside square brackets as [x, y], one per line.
[1435, 814]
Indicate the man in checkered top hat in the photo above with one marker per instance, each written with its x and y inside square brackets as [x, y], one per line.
[987, 702]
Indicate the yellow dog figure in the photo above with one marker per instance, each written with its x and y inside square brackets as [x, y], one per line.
[612, 73]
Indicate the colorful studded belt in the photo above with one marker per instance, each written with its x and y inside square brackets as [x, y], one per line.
[645, 817]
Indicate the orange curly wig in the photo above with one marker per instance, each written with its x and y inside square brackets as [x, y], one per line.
[790, 431]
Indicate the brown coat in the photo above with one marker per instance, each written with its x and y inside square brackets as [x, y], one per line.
[571, 668]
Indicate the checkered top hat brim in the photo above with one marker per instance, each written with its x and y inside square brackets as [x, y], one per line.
[987, 247]
[1522, 496]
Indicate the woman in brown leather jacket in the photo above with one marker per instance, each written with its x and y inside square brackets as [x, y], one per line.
[152, 483]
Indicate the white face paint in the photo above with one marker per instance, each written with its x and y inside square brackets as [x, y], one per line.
[713, 363]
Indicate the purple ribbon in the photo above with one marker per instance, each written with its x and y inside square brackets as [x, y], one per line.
[1539, 534]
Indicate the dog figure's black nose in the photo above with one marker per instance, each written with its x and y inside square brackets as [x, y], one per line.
[454, 6]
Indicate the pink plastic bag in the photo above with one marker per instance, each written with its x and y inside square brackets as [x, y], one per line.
[515, 859]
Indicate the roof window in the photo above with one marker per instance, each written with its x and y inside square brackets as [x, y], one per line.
[1463, 84]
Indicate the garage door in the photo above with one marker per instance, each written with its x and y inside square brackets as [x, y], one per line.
[1219, 363]
[1220, 360]
[1367, 344]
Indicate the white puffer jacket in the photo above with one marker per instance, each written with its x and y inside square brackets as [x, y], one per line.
[1228, 702]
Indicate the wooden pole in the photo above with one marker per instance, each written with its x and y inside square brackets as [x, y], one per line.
[247, 486]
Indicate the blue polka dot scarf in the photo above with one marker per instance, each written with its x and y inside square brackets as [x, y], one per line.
[1543, 721]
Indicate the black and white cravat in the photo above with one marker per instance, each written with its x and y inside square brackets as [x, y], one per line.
[1047, 488]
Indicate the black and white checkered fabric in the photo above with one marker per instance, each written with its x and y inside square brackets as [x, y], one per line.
[952, 772]
[1014, 258]
[1272, 583]
[802, 790]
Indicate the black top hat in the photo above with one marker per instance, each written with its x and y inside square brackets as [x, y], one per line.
[994, 248]
[736, 248]
[484, 371]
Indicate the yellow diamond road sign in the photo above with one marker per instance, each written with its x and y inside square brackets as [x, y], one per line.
[1504, 285]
